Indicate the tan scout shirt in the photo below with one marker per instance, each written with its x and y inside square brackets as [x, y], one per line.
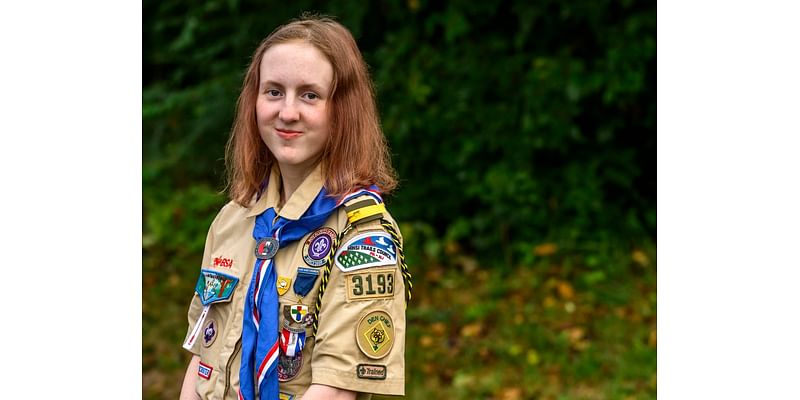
[360, 342]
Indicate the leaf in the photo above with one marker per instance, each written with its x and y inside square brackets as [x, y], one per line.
[471, 330]
[640, 258]
[545, 249]
[565, 290]
[533, 357]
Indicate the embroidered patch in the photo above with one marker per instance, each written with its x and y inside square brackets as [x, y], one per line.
[209, 333]
[305, 279]
[285, 396]
[204, 370]
[266, 248]
[375, 334]
[370, 284]
[318, 246]
[283, 283]
[370, 249]
[288, 367]
[371, 371]
[214, 287]
[295, 312]
[222, 262]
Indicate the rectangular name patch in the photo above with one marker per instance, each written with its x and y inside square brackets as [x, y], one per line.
[373, 283]
[370, 371]
[204, 371]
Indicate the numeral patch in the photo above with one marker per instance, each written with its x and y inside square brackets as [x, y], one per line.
[371, 284]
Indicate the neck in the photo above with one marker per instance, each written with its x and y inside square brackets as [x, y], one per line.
[291, 178]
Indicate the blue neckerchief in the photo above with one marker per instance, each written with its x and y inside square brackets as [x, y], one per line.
[260, 346]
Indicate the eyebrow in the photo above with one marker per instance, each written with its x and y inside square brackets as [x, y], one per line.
[312, 86]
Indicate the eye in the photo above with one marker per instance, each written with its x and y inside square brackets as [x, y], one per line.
[310, 96]
[272, 93]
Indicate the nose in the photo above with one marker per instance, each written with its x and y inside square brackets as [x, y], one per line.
[289, 112]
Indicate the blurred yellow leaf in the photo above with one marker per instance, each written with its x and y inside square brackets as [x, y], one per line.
[565, 290]
[512, 393]
[438, 328]
[545, 249]
[533, 357]
[549, 302]
[640, 258]
[652, 339]
[471, 330]
[426, 341]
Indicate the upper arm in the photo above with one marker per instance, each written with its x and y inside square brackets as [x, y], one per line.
[360, 343]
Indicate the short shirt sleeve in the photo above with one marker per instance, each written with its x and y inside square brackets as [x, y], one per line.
[360, 341]
[196, 306]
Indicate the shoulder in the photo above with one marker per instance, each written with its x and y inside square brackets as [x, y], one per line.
[365, 209]
[228, 217]
[370, 238]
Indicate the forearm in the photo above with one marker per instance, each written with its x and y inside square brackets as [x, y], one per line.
[188, 391]
[320, 392]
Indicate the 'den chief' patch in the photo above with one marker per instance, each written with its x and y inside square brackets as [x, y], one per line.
[375, 334]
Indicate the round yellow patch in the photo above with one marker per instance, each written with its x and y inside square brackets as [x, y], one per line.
[375, 334]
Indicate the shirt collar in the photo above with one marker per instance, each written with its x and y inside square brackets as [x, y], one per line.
[297, 204]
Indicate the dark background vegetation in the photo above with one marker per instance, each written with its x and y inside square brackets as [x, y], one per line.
[524, 136]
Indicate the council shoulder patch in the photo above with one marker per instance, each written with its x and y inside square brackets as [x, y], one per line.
[365, 250]
[375, 334]
[214, 287]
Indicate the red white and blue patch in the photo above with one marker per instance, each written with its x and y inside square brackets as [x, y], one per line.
[366, 250]
[204, 370]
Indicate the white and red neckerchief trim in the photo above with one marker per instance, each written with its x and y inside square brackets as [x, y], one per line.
[269, 359]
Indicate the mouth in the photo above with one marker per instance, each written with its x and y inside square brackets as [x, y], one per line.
[287, 134]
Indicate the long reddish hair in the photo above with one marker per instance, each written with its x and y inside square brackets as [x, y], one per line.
[356, 154]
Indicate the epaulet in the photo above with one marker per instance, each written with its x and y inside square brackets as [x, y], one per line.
[363, 209]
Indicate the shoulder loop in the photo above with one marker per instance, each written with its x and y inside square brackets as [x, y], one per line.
[364, 211]
[401, 257]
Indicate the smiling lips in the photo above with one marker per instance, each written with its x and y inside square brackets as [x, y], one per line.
[287, 134]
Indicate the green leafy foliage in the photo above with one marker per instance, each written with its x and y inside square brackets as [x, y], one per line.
[524, 136]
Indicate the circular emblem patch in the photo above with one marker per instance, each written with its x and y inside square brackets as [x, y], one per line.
[375, 334]
[318, 246]
[209, 333]
[289, 367]
[266, 248]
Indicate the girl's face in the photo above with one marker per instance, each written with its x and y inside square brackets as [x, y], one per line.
[291, 109]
